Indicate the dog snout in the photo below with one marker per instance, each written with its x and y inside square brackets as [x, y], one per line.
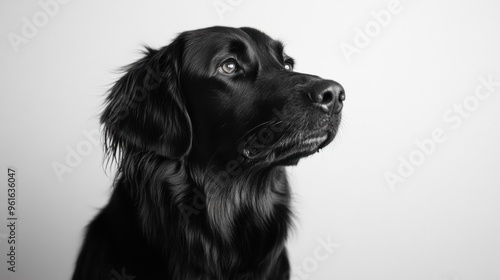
[328, 95]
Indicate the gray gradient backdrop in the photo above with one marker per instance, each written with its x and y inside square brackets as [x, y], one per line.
[418, 110]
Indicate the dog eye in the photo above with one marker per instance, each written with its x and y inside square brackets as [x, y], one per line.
[229, 67]
[288, 66]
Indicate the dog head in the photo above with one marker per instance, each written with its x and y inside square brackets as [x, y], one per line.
[220, 94]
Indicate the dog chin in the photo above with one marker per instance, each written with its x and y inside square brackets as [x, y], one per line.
[292, 152]
[302, 149]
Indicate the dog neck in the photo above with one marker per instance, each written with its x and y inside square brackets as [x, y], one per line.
[250, 205]
[208, 205]
[254, 193]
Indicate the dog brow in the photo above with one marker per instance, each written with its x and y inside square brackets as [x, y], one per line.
[237, 46]
[279, 47]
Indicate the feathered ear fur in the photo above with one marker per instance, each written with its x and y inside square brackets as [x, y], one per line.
[145, 110]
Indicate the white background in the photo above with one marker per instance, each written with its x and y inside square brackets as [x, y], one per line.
[442, 222]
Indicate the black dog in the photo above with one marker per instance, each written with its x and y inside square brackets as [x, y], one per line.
[201, 131]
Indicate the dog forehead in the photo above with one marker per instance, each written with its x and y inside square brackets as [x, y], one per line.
[258, 36]
[219, 38]
[263, 41]
[206, 45]
[213, 41]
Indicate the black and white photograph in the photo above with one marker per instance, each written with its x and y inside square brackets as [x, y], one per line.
[249, 140]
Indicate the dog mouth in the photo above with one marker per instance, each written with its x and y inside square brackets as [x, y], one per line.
[288, 151]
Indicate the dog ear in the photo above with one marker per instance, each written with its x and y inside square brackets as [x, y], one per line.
[145, 109]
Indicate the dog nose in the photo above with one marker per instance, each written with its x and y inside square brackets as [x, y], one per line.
[327, 95]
